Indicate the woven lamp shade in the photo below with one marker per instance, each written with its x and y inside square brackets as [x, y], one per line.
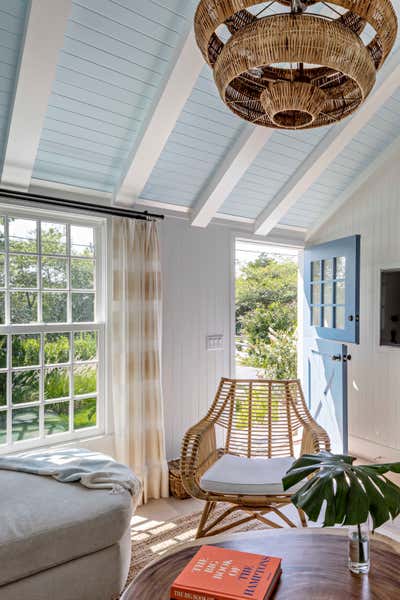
[295, 69]
[291, 104]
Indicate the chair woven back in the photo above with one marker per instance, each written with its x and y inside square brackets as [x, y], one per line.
[262, 418]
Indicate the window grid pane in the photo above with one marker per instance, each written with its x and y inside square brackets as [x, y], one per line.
[328, 293]
[47, 275]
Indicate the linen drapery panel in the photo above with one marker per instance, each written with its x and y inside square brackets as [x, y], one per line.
[136, 353]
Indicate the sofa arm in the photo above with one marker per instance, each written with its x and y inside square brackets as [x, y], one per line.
[199, 452]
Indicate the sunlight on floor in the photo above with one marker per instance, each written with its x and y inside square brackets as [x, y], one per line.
[160, 533]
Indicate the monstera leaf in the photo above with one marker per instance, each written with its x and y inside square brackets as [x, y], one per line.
[352, 493]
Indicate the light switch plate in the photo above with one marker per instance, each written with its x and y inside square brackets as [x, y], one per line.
[215, 342]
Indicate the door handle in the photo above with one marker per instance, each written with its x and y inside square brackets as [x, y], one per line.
[340, 358]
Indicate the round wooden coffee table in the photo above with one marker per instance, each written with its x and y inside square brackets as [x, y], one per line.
[314, 566]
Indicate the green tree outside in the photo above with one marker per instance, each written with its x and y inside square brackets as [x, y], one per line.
[266, 316]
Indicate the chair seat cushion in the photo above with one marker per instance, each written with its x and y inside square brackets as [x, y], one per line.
[248, 476]
[45, 523]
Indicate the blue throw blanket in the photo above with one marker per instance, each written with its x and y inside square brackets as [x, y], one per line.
[91, 469]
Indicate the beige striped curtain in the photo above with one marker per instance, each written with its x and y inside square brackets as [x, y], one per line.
[136, 353]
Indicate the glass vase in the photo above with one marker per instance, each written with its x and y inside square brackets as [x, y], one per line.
[359, 549]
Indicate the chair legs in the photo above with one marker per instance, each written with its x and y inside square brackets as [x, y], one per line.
[212, 523]
[302, 517]
[209, 507]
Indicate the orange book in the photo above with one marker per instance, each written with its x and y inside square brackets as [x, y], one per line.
[221, 574]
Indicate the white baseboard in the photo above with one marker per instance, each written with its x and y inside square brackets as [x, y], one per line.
[362, 448]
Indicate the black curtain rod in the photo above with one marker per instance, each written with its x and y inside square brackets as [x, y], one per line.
[89, 208]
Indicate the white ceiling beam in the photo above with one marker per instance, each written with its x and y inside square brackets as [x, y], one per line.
[328, 149]
[228, 174]
[390, 152]
[162, 120]
[44, 37]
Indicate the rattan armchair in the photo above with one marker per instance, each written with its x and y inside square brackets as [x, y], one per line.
[259, 419]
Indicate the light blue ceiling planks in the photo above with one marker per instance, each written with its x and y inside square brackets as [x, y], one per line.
[116, 56]
[203, 134]
[13, 16]
[274, 166]
[358, 155]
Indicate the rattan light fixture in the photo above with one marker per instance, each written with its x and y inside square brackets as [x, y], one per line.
[307, 64]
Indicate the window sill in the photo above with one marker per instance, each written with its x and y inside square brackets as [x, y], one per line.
[96, 437]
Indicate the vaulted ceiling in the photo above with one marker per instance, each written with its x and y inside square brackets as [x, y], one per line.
[111, 98]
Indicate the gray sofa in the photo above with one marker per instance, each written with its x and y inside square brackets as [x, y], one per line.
[61, 541]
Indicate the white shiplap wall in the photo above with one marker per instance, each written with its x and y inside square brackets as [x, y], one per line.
[197, 302]
[374, 373]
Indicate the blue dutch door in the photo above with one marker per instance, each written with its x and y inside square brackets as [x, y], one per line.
[332, 320]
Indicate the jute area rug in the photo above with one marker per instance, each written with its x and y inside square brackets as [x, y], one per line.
[150, 539]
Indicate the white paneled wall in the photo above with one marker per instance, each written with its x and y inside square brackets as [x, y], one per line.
[197, 302]
[374, 372]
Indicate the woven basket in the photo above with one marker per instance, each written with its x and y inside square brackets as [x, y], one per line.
[176, 488]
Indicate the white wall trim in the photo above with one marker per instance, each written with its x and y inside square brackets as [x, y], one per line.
[44, 37]
[232, 168]
[382, 158]
[328, 149]
[162, 119]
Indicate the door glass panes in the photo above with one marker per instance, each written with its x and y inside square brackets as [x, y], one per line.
[340, 267]
[316, 316]
[328, 293]
[316, 294]
[316, 270]
[328, 269]
[328, 316]
[340, 317]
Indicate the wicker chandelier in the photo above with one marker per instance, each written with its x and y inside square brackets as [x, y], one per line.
[307, 64]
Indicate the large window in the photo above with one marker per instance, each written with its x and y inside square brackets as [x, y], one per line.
[51, 330]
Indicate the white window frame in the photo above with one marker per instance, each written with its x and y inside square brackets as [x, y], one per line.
[99, 325]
